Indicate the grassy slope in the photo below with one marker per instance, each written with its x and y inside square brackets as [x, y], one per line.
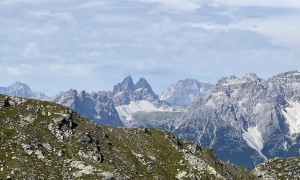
[127, 153]
[279, 168]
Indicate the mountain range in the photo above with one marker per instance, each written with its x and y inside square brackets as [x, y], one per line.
[244, 120]
[247, 120]
[36, 135]
[22, 90]
[184, 92]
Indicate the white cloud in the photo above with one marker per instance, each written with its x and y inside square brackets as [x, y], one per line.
[19, 70]
[31, 51]
[181, 5]
[212, 26]
[63, 69]
[52, 16]
[12, 2]
[265, 3]
[91, 4]
[42, 30]
[112, 39]
[281, 30]
[113, 18]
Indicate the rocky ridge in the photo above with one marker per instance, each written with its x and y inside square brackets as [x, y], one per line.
[129, 104]
[279, 168]
[139, 106]
[22, 90]
[126, 92]
[255, 116]
[184, 92]
[258, 117]
[36, 135]
[97, 106]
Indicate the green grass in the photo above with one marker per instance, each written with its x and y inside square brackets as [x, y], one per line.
[117, 145]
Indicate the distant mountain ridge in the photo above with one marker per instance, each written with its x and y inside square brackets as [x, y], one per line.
[96, 106]
[127, 91]
[247, 120]
[139, 106]
[184, 92]
[22, 90]
[118, 107]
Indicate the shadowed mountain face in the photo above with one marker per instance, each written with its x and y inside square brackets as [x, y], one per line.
[36, 135]
[247, 120]
[96, 106]
[125, 86]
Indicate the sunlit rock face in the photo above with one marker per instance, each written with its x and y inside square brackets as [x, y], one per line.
[247, 120]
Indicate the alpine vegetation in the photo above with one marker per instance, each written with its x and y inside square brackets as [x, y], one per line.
[36, 135]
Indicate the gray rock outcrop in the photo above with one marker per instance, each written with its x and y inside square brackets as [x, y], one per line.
[247, 120]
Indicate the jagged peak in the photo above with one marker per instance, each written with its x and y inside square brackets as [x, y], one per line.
[70, 91]
[126, 85]
[186, 82]
[233, 80]
[251, 77]
[18, 85]
[228, 80]
[142, 83]
[191, 81]
[295, 73]
[128, 78]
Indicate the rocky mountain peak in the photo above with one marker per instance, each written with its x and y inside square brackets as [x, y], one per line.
[70, 92]
[19, 84]
[289, 74]
[142, 84]
[260, 116]
[127, 91]
[185, 91]
[251, 77]
[21, 90]
[126, 85]
[228, 80]
[233, 81]
[189, 81]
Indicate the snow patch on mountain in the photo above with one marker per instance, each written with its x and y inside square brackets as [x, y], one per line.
[292, 116]
[254, 139]
[126, 112]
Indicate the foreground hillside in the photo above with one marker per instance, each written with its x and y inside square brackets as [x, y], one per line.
[41, 139]
[279, 168]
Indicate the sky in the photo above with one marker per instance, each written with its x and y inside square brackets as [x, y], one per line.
[55, 45]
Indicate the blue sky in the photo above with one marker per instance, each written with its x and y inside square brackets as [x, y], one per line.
[55, 45]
